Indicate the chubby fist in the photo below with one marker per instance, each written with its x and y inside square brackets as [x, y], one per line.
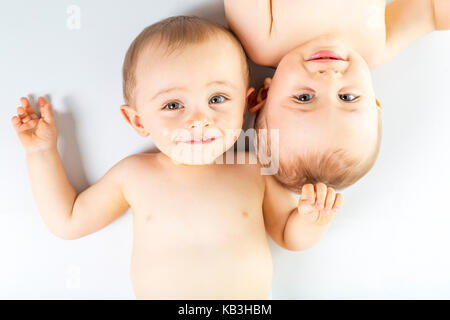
[318, 204]
[36, 133]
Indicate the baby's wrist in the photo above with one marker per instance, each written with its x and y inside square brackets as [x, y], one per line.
[41, 151]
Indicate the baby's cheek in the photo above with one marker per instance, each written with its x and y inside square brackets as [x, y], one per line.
[375, 17]
[231, 121]
[162, 128]
[289, 142]
[232, 130]
[162, 138]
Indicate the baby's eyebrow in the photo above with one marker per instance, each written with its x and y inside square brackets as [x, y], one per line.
[167, 90]
[225, 83]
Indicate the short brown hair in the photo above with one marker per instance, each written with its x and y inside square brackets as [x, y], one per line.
[174, 33]
[335, 168]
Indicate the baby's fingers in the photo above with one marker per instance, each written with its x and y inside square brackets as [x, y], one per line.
[330, 199]
[326, 215]
[42, 102]
[20, 126]
[338, 202]
[328, 212]
[308, 195]
[46, 110]
[307, 200]
[321, 193]
[23, 115]
[28, 109]
[16, 122]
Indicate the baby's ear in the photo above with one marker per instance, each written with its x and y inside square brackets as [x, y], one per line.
[379, 107]
[133, 119]
[256, 101]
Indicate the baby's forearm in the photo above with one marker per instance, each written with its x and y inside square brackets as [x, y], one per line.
[442, 14]
[300, 234]
[52, 191]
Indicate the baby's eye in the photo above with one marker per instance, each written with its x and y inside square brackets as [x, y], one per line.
[217, 99]
[173, 106]
[305, 97]
[347, 97]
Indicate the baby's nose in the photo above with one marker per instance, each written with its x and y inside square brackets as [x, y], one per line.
[329, 74]
[199, 123]
[328, 69]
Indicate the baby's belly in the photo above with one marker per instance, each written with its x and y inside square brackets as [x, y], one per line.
[210, 259]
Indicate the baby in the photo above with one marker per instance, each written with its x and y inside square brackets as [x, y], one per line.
[321, 96]
[199, 227]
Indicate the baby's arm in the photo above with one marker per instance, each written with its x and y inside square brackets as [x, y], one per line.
[66, 214]
[251, 21]
[299, 225]
[408, 20]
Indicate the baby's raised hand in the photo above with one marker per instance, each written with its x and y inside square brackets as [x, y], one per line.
[318, 204]
[35, 133]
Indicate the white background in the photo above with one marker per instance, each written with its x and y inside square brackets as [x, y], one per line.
[391, 240]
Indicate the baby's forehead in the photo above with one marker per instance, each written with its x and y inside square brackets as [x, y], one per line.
[166, 49]
[215, 57]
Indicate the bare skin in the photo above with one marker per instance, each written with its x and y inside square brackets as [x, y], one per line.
[270, 29]
[321, 94]
[199, 230]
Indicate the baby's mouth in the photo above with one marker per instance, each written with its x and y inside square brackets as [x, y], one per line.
[197, 137]
[325, 56]
[198, 141]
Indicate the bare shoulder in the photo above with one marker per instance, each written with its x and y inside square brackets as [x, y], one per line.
[251, 21]
[406, 21]
[135, 164]
[139, 158]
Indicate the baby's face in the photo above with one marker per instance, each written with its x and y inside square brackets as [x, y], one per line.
[192, 101]
[322, 104]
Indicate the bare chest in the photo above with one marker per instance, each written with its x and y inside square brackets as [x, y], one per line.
[201, 202]
[359, 23]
